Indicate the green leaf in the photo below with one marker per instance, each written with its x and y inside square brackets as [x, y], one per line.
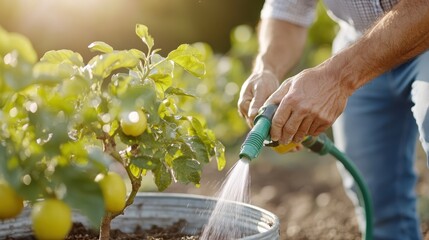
[137, 53]
[162, 177]
[103, 65]
[143, 32]
[145, 162]
[100, 47]
[10, 42]
[83, 193]
[60, 56]
[197, 128]
[9, 167]
[19, 73]
[178, 92]
[162, 71]
[220, 155]
[187, 170]
[52, 73]
[198, 149]
[75, 86]
[136, 171]
[97, 157]
[189, 58]
[138, 96]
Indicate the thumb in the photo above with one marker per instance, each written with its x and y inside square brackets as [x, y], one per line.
[277, 96]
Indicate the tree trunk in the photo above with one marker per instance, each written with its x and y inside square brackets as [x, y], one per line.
[105, 227]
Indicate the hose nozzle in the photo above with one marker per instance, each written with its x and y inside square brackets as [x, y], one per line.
[254, 141]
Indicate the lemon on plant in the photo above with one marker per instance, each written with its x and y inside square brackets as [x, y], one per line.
[11, 203]
[134, 123]
[51, 218]
[114, 191]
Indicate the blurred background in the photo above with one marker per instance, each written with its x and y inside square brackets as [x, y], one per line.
[303, 189]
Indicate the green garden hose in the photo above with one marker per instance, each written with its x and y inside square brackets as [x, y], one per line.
[323, 145]
[259, 136]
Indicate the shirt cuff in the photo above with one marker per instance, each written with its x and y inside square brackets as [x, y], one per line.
[300, 12]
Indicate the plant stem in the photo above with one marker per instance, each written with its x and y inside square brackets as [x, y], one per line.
[109, 148]
[105, 227]
[135, 186]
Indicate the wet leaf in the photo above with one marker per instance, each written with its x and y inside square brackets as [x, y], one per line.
[162, 177]
[187, 170]
[198, 148]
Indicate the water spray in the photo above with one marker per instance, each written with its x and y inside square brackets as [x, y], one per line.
[259, 136]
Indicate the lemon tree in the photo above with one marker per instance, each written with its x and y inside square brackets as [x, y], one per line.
[65, 121]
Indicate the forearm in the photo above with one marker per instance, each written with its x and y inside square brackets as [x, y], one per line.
[401, 34]
[280, 46]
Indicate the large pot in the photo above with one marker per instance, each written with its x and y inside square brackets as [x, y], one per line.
[164, 209]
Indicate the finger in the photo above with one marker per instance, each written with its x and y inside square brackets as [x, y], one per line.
[243, 107]
[282, 113]
[279, 119]
[316, 129]
[256, 103]
[302, 130]
[312, 129]
[321, 129]
[291, 127]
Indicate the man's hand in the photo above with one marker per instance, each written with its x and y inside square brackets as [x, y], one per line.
[254, 92]
[308, 104]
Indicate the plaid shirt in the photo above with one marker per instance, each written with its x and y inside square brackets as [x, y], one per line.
[359, 14]
[353, 16]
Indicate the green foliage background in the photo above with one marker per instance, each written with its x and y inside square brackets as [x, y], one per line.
[223, 30]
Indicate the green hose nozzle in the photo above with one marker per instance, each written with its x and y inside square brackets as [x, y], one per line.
[258, 134]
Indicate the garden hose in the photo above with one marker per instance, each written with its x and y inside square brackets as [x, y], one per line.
[323, 145]
[259, 137]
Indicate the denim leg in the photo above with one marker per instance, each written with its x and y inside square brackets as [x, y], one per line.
[378, 132]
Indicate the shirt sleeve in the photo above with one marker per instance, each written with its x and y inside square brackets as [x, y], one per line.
[301, 12]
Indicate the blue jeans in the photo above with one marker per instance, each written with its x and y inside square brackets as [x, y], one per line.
[378, 131]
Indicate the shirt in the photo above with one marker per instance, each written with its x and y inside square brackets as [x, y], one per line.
[353, 16]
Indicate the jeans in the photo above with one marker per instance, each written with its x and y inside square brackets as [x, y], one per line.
[378, 131]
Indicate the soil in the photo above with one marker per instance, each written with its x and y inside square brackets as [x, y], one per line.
[80, 232]
[306, 193]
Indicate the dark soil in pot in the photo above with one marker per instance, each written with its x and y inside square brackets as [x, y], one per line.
[80, 232]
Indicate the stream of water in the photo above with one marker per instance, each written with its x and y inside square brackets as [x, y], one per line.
[236, 187]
